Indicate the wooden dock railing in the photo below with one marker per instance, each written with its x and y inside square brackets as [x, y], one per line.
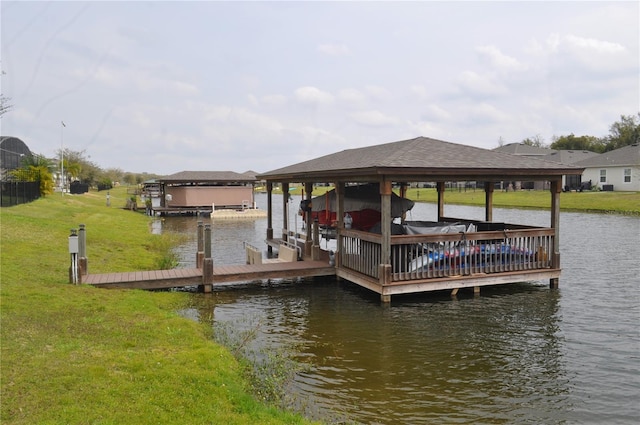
[419, 257]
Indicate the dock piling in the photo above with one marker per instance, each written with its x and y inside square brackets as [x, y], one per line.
[200, 251]
[207, 263]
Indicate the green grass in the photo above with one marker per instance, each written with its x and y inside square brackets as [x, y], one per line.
[592, 201]
[79, 355]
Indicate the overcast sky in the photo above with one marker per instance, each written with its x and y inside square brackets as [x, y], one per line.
[162, 87]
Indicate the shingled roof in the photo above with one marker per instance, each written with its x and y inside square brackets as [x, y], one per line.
[626, 156]
[415, 159]
[207, 177]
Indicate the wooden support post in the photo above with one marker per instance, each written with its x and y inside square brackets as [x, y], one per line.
[476, 290]
[285, 211]
[556, 188]
[385, 279]
[403, 194]
[269, 216]
[454, 292]
[315, 252]
[488, 201]
[339, 188]
[207, 263]
[207, 275]
[440, 189]
[200, 251]
[385, 222]
[308, 190]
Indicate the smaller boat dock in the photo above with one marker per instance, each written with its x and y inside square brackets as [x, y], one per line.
[205, 275]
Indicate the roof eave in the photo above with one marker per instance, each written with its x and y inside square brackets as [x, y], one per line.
[422, 174]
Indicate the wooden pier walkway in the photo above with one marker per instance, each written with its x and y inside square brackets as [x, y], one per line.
[176, 278]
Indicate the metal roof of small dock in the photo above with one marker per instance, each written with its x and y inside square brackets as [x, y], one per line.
[207, 176]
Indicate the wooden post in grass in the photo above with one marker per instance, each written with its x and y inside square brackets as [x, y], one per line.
[200, 251]
[207, 262]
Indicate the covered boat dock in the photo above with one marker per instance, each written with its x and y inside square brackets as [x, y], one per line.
[439, 253]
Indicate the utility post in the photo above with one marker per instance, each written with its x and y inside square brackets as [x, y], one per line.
[73, 251]
[83, 261]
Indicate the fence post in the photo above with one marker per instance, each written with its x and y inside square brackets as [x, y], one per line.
[207, 263]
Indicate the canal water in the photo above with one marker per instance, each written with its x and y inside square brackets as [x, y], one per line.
[520, 353]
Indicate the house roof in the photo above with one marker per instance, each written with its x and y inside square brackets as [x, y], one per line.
[625, 156]
[207, 177]
[523, 149]
[419, 159]
[569, 156]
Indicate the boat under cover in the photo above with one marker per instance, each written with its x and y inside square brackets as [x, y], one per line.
[361, 202]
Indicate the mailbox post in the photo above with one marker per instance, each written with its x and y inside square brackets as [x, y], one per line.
[73, 251]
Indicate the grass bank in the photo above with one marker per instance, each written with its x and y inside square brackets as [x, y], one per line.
[591, 201]
[74, 354]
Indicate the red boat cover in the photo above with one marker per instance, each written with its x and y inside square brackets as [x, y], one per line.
[362, 203]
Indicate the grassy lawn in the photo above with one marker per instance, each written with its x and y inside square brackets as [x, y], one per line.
[74, 355]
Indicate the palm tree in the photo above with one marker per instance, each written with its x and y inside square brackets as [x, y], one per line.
[34, 168]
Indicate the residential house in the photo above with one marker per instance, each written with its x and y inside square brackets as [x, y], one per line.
[617, 170]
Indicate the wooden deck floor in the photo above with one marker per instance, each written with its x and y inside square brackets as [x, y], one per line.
[174, 278]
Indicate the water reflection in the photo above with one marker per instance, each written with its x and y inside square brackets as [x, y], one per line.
[423, 360]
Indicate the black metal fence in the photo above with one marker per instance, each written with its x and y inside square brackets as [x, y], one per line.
[14, 192]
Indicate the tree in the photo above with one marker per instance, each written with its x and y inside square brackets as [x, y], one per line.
[73, 169]
[5, 106]
[624, 132]
[572, 142]
[129, 178]
[36, 167]
[114, 174]
[536, 141]
[77, 164]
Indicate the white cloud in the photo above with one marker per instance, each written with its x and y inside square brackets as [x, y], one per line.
[591, 44]
[499, 60]
[373, 118]
[485, 111]
[436, 113]
[377, 92]
[334, 49]
[476, 85]
[312, 96]
[274, 100]
[352, 96]
[419, 90]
